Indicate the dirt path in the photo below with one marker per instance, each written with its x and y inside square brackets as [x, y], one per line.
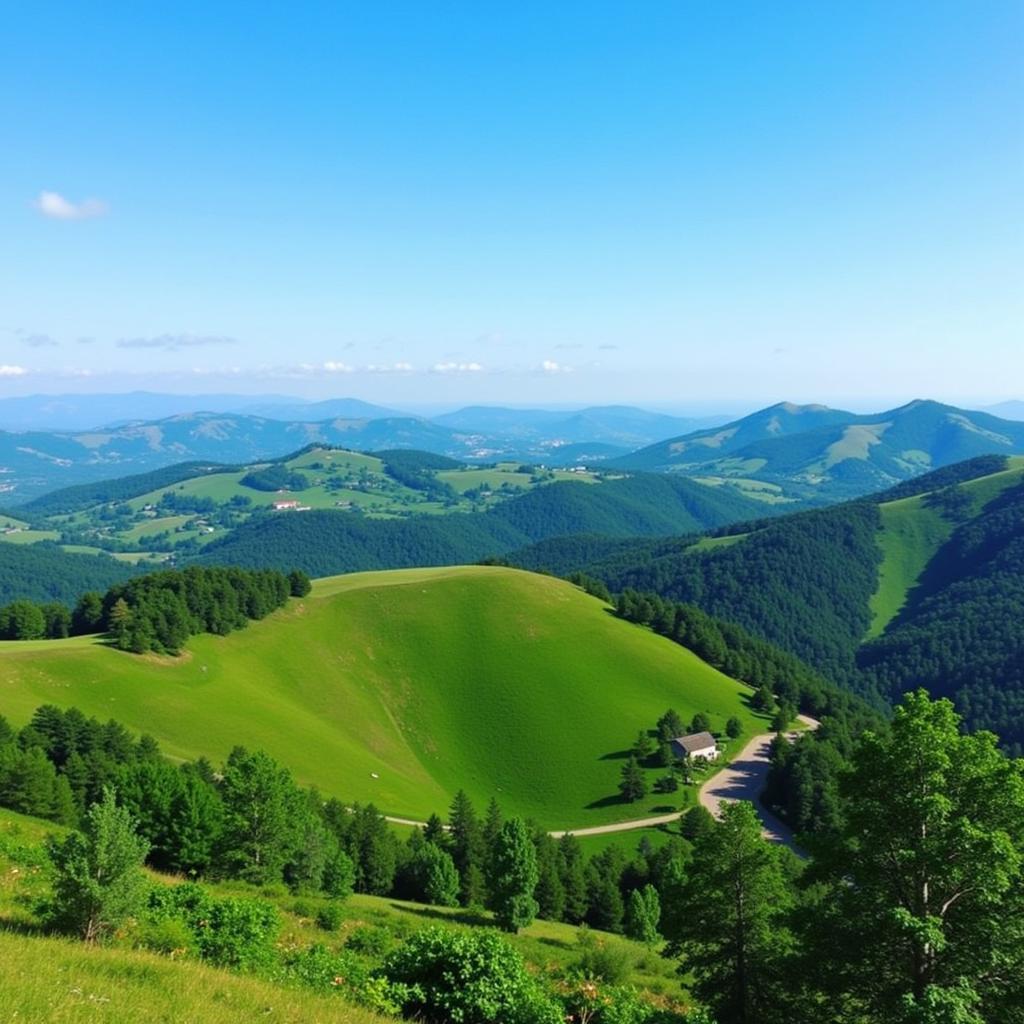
[743, 779]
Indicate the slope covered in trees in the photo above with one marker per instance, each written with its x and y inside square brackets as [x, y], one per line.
[922, 587]
[323, 543]
[45, 572]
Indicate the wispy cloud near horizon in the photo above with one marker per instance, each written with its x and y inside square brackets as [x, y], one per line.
[176, 342]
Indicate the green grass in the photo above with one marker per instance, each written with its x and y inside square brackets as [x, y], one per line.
[28, 536]
[497, 681]
[711, 543]
[61, 981]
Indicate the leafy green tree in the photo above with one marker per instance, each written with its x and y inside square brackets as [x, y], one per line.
[88, 614]
[924, 890]
[98, 878]
[734, 728]
[28, 781]
[643, 745]
[515, 876]
[196, 820]
[435, 875]
[259, 833]
[697, 822]
[22, 620]
[633, 786]
[729, 921]
[643, 912]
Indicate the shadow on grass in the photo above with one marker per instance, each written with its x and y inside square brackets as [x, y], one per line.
[618, 800]
[616, 755]
[15, 926]
[460, 916]
[557, 943]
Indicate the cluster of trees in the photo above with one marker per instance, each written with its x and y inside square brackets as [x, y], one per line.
[26, 620]
[275, 477]
[417, 471]
[161, 610]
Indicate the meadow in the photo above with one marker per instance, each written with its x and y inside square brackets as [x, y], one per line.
[403, 687]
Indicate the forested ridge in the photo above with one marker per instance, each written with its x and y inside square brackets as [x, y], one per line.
[326, 543]
[45, 572]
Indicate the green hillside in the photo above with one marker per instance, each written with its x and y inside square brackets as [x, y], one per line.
[402, 687]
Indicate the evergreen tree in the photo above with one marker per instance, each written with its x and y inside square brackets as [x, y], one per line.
[433, 830]
[734, 728]
[633, 786]
[491, 831]
[643, 745]
[549, 892]
[605, 908]
[700, 723]
[196, 821]
[98, 879]
[573, 873]
[515, 876]
[467, 846]
[729, 922]
[669, 726]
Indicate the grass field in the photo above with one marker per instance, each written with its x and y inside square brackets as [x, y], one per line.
[402, 687]
[911, 535]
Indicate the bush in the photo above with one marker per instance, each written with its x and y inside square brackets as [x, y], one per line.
[601, 961]
[330, 917]
[369, 940]
[239, 933]
[171, 936]
[466, 978]
[303, 908]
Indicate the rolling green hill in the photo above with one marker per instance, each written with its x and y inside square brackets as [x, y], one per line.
[402, 687]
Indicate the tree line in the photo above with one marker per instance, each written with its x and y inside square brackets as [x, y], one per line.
[161, 610]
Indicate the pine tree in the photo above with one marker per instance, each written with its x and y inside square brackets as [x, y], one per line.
[728, 924]
[573, 873]
[633, 786]
[467, 847]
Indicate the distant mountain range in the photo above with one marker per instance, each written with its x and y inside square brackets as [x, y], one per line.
[791, 453]
[33, 462]
[817, 454]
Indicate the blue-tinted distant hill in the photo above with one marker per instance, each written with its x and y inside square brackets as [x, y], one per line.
[824, 455]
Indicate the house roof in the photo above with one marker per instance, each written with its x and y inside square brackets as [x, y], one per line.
[695, 741]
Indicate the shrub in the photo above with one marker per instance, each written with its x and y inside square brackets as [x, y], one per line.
[369, 940]
[466, 978]
[171, 936]
[303, 908]
[330, 917]
[601, 961]
[239, 933]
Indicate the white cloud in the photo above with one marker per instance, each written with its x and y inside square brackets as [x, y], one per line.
[55, 206]
[173, 342]
[453, 367]
[335, 367]
[12, 371]
[550, 366]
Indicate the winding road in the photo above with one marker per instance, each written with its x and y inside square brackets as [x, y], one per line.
[743, 779]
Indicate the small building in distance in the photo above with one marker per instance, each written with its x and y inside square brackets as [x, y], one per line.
[697, 744]
[285, 506]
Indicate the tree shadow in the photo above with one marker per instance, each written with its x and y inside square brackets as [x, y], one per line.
[608, 801]
[462, 916]
[616, 755]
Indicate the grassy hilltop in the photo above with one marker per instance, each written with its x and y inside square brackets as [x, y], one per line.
[401, 687]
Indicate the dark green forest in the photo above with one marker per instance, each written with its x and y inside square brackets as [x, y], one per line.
[45, 572]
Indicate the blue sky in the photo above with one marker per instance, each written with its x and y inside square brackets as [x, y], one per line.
[673, 203]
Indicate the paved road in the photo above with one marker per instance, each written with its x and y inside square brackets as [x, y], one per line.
[743, 779]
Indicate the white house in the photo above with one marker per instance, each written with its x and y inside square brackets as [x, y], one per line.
[697, 744]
